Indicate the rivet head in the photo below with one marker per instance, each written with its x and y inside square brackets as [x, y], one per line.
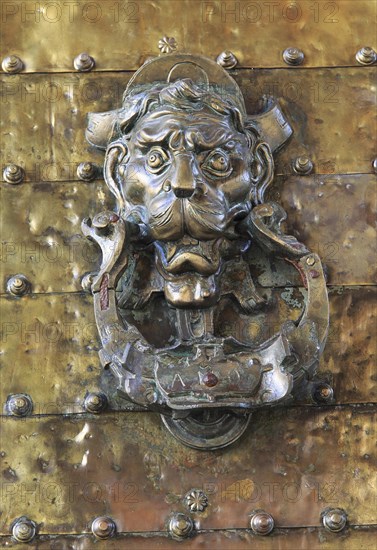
[196, 500]
[261, 523]
[24, 529]
[83, 62]
[227, 60]
[87, 171]
[18, 285]
[374, 166]
[303, 165]
[13, 174]
[293, 56]
[334, 519]
[366, 56]
[103, 527]
[95, 402]
[323, 393]
[310, 260]
[167, 44]
[12, 64]
[19, 404]
[180, 526]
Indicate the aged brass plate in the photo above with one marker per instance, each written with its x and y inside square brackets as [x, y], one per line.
[293, 462]
[329, 32]
[287, 539]
[44, 116]
[49, 348]
[43, 238]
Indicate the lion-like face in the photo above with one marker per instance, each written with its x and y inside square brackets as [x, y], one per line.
[186, 177]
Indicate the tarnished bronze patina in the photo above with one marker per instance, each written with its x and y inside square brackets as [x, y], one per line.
[189, 171]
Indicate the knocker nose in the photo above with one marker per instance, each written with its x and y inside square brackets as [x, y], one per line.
[183, 192]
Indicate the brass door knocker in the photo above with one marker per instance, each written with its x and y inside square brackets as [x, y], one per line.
[189, 170]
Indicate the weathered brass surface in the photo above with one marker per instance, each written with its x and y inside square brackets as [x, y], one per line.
[292, 462]
[40, 333]
[329, 33]
[43, 239]
[44, 117]
[355, 538]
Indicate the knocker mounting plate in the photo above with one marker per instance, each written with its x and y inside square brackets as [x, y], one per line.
[189, 169]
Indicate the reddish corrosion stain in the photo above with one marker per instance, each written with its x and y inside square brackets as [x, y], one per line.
[104, 292]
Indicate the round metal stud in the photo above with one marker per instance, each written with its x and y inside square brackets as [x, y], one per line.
[310, 260]
[24, 529]
[366, 56]
[12, 64]
[19, 404]
[167, 44]
[334, 519]
[323, 393]
[374, 166]
[261, 523]
[293, 56]
[180, 526]
[95, 402]
[18, 285]
[196, 500]
[303, 165]
[103, 527]
[87, 171]
[13, 174]
[227, 60]
[83, 62]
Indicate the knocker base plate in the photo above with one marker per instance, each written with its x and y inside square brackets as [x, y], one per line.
[206, 429]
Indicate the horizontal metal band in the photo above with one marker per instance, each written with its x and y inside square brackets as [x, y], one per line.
[50, 347]
[333, 215]
[293, 463]
[331, 112]
[257, 32]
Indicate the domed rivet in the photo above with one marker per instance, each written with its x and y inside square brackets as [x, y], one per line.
[95, 402]
[83, 62]
[227, 60]
[302, 165]
[13, 174]
[334, 519]
[374, 166]
[24, 529]
[196, 500]
[87, 171]
[103, 527]
[167, 44]
[323, 393]
[261, 523]
[180, 526]
[19, 404]
[12, 64]
[18, 285]
[210, 379]
[366, 56]
[310, 260]
[293, 56]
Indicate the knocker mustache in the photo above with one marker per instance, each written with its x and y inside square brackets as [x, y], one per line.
[203, 216]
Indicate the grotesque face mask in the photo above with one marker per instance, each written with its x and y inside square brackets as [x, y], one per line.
[189, 170]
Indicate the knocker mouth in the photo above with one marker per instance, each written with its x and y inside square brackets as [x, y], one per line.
[189, 255]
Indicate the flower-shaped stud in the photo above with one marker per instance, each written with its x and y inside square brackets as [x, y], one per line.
[167, 44]
[196, 500]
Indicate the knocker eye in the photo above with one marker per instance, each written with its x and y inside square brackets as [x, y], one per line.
[217, 164]
[157, 160]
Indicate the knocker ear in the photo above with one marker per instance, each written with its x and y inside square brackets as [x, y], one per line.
[262, 171]
[115, 154]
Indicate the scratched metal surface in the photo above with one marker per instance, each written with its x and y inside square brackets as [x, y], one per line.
[256, 32]
[44, 117]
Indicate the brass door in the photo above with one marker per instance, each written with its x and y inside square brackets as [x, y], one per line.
[65, 459]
